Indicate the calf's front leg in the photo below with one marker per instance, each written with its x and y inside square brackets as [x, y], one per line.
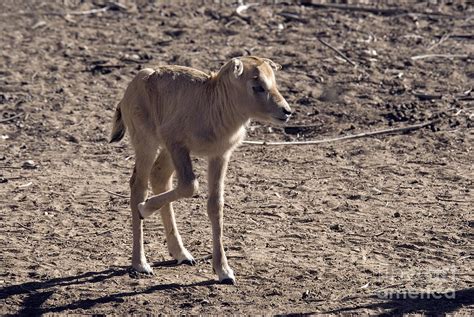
[187, 183]
[216, 174]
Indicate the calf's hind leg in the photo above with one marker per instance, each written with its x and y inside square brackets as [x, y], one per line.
[161, 179]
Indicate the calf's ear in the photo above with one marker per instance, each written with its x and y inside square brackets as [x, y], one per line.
[238, 67]
[272, 64]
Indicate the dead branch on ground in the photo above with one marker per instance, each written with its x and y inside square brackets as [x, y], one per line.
[441, 40]
[373, 10]
[461, 56]
[116, 194]
[109, 6]
[11, 118]
[338, 52]
[349, 137]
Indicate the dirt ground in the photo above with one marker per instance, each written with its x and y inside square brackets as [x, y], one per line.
[380, 225]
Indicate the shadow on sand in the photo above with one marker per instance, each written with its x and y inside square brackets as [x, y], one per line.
[431, 304]
[38, 293]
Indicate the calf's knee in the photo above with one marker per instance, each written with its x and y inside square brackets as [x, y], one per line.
[215, 204]
[188, 189]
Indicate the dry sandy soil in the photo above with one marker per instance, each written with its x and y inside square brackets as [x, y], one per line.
[380, 225]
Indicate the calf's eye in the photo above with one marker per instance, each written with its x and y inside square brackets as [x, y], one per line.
[258, 89]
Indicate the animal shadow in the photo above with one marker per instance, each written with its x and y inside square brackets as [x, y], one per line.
[38, 292]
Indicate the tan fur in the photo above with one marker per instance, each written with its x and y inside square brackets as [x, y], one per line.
[178, 111]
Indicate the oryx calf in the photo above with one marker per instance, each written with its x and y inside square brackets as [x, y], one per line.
[177, 111]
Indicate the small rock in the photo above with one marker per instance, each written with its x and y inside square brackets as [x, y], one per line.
[275, 292]
[370, 52]
[38, 24]
[186, 305]
[396, 214]
[336, 227]
[71, 138]
[3, 180]
[30, 164]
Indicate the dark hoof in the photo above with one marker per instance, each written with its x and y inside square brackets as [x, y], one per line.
[137, 274]
[189, 262]
[228, 281]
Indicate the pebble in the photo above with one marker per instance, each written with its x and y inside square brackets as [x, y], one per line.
[71, 138]
[29, 164]
[336, 227]
[305, 294]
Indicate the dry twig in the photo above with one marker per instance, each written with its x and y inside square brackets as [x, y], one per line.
[454, 200]
[115, 194]
[368, 236]
[11, 118]
[373, 10]
[109, 6]
[104, 232]
[93, 11]
[348, 137]
[241, 9]
[423, 96]
[291, 16]
[338, 52]
[24, 227]
[460, 36]
[441, 40]
[462, 56]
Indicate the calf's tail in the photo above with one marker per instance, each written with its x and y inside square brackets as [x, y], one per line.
[118, 129]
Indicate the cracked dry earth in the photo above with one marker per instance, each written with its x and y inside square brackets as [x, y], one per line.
[379, 225]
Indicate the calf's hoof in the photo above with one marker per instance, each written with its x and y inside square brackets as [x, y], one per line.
[143, 268]
[227, 277]
[228, 281]
[181, 255]
[190, 262]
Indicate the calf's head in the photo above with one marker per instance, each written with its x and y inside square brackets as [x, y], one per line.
[254, 80]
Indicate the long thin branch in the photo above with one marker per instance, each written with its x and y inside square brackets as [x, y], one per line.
[93, 11]
[11, 118]
[374, 10]
[462, 56]
[348, 137]
[462, 36]
[109, 6]
[341, 54]
[115, 194]
[441, 40]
